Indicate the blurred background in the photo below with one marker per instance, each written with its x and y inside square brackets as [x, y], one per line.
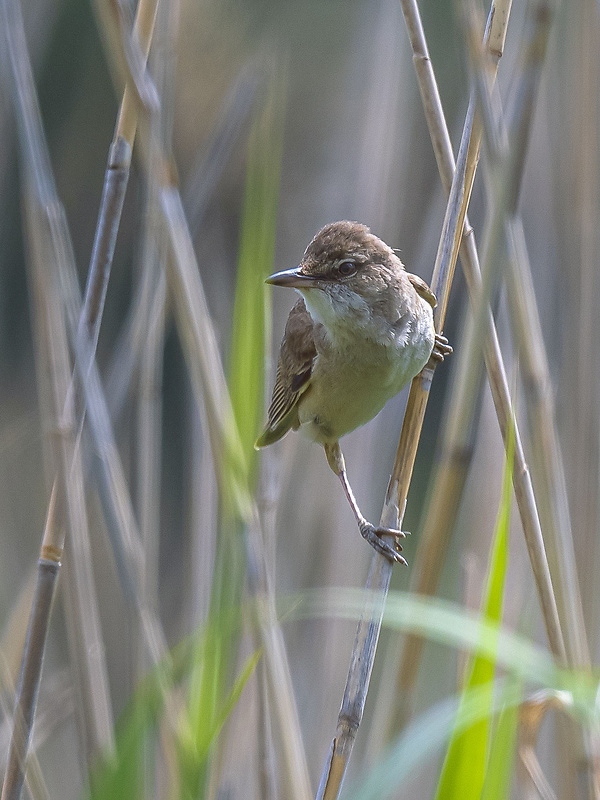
[347, 116]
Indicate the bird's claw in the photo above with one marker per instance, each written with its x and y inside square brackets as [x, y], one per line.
[441, 348]
[373, 536]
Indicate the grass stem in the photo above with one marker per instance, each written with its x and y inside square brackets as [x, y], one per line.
[378, 580]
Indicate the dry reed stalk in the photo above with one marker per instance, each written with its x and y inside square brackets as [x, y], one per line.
[580, 745]
[506, 166]
[149, 419]
[88, 327]
[115, 184]
[532, 712]
[505, 190]
[118, 512]
[448, 481]
[29, 679]
[436, 537]
[113, 193]
[69, 505]
[264, 587]
[34, 784]
[267, 757]
[208, 382]
[152, 301]
[112, 486]
[576, 122]
[378, 580]
[96, 727]
[203, 514]
[456, 448]
[199, 189]
[46, 226]
[58, 707]
[548, 473]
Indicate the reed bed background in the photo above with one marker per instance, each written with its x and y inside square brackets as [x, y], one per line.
[206, 606]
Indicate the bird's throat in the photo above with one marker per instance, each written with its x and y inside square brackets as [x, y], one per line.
[346, 317]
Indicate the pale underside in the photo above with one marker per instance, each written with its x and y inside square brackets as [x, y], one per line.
[332, 377]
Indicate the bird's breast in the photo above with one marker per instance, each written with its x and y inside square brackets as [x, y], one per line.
[351, 384]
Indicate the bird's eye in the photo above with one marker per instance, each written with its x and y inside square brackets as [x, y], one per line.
[346, 268]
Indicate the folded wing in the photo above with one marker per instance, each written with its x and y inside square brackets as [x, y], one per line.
[294, 370]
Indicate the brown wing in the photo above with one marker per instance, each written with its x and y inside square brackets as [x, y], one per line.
[294, 368]
[422, 289]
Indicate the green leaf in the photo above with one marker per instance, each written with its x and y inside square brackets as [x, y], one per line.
[206, 712]
[236, 691]
[423, 737]
[499, 771]
[120, 775]
[463, 772]
[440, 621]
[198, 663]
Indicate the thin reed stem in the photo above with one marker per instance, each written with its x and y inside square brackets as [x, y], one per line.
[199, 189]
[47, 227]
[378, 580]
[31, 667]
[506, 162]
[89, 320]
[547, 463]
[208, 381]
[115, 185]
[437, 537]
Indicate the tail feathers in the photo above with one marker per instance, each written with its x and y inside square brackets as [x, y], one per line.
[273, 434]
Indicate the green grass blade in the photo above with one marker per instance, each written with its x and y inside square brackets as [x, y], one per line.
[463, 772]
[210, 690]
[236, 691]
[498, 775]
[196, 662]
[121, 775]
[423, 738]
[252, 313]
[206, 714]
[440, 621]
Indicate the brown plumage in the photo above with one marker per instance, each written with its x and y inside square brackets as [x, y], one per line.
[362, 331]
[294, 368]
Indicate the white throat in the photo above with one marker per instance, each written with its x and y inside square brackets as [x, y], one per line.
[345, 315]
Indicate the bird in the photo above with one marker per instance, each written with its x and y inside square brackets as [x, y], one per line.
[361, 330]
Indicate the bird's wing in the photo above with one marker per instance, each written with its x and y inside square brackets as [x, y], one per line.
[294, 370]
[422, 289]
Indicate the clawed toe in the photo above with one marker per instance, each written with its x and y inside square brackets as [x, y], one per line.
[441, 348]
[382, 531]
[371, 533]
[373, 536]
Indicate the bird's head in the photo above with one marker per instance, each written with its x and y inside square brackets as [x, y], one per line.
[347, 276]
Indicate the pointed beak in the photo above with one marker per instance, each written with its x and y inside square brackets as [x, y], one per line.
[291, 277]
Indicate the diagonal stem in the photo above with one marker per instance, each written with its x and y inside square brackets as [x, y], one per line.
[67, 493]
[378, 580]
[380, 573]
[200, 347]
[437, 535]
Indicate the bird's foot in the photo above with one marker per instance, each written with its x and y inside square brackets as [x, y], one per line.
[441, 348]
[373, 536]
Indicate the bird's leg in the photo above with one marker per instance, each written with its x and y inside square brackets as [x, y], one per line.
[370, 532]
[441, 348]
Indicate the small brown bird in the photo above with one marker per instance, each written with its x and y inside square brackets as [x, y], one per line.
[361, 331]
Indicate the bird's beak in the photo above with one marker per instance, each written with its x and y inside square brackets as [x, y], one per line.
[294, 278]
